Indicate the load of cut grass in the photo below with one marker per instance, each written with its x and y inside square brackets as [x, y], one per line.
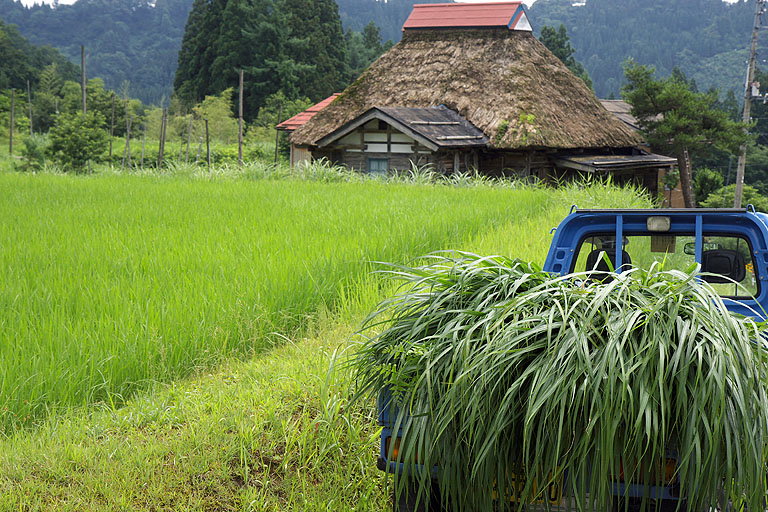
[498, 370]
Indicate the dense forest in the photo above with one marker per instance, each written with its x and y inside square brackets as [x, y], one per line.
[296, 48]
[706, 39]
[24, 61]
[133, 45]
[54, 86]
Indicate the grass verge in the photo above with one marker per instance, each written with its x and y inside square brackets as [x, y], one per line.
[275, 433]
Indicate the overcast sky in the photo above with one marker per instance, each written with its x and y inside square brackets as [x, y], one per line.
[527, 2]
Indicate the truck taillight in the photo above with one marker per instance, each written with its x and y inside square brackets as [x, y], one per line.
[393, 450]
[665, 473]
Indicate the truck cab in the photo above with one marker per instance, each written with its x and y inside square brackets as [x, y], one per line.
[730, 246]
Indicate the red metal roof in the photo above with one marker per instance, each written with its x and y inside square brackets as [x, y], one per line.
[302, 117]
[462, 15]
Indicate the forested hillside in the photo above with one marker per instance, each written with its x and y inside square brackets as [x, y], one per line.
[389, 16]
[132, 45]
[22, 61]
[293, 46]
[706, 39]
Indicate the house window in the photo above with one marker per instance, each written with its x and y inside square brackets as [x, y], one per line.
[377, 166]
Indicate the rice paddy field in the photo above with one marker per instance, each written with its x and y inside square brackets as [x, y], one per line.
[141, 311]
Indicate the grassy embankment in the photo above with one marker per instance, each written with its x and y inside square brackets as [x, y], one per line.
[112, 283]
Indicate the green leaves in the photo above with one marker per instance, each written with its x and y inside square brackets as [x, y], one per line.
[507, 371]
[76, 139]
[673, 116]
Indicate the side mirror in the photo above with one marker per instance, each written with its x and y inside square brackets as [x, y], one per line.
[690, 247]
[723, 266]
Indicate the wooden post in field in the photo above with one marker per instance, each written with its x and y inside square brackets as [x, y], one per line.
[161, 148]
[112, 128]
[277, 132]
[29, 104]
[127, 150]
[240, 125]
[13, 121]
[208, 145]
[82, 75]
[143, 143]
[189, 136]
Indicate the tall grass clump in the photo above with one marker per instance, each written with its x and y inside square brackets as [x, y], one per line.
[498, 369]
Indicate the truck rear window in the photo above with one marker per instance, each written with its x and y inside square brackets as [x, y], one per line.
[727, 262]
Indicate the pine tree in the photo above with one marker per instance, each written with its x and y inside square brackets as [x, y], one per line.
[678, 120]
[558, 42]
[251, 39]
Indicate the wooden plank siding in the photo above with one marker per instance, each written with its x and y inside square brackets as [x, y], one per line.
[492, 163]
[300, 154]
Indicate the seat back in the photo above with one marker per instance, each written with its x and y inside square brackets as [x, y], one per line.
[728, 264]
[602, 271]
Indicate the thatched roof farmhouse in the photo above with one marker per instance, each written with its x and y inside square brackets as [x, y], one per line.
[469, 86]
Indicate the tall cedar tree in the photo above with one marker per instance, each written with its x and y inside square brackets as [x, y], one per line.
[293, 46]
[249, 33]
[678, 120]
[317, 40]
[558, 42]
[191, 70]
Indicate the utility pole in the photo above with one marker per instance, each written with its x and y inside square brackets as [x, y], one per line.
[112, 129]
[277, 132]
[759, 9]
[240, 125]
[29, 104]
[13, 121]
[82, 75]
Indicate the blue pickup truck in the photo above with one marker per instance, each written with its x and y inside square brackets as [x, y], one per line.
[731, 245]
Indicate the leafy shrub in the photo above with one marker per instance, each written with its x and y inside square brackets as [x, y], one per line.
[724, 196]
[33, 153]
[229, 153]
[499, 369]
[705, 182]
[78, 139]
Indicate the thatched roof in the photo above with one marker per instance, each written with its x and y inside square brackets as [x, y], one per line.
[494, 78]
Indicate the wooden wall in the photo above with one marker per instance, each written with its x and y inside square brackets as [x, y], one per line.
[378, 140]
[300, 154]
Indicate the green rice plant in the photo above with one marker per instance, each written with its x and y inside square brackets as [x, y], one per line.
[325, 171]
[416, 174]
[469, 178]
[109, 282]
[499, 370]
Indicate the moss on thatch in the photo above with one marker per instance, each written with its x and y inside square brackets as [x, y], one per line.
[490, 77]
